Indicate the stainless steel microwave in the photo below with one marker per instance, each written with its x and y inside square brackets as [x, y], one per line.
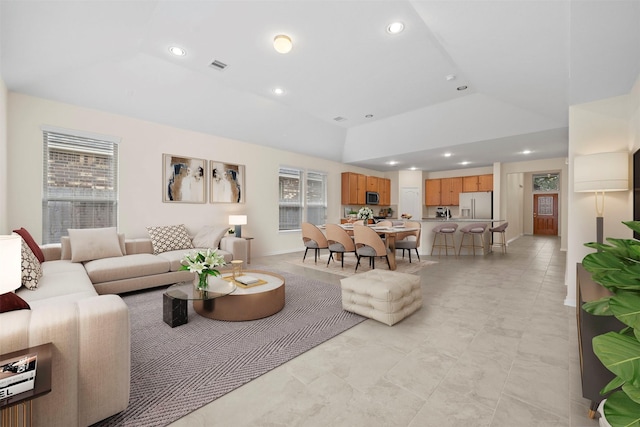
[373, 198]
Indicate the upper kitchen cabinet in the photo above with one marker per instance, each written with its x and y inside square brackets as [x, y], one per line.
[384, 189]
[372, 183]
[354, 187]
[432, 192]
[477, 183]
[450, 189]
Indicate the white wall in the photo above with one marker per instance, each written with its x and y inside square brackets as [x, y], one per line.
[4, 224]
[140, 151]
[603, 126]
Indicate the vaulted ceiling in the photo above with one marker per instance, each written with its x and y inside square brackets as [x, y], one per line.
[396, 97]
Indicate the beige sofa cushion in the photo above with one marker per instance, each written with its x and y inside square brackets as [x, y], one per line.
[94, 243]
[61, 281]
[125, 267]
[65, 246]
[209, 236]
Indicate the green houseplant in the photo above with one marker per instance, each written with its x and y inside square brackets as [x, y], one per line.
[616, 266]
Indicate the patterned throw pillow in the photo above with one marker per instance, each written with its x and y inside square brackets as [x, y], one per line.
[31, 269]
[169, 238]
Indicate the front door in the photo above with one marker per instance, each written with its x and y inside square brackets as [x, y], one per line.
[545, 214]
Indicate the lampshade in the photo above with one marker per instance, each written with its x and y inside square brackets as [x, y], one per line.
[601, 172]
[237, 220]
[10, 263]
[282, 43]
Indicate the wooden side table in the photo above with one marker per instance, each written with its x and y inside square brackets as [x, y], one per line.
[16, 410]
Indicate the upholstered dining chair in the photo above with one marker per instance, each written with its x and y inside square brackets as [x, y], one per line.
[384, 223]
[313, 238]
[339, 241]
[409, 240]
[440, 238]
[369, 244]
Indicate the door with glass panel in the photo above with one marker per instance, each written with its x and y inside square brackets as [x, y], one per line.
[545, 214]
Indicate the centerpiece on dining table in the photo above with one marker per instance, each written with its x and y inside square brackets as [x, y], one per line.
[204, 264]
[365, 214]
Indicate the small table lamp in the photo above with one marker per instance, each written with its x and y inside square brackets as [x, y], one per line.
[598, 173]
[238, 221]
[10, 263]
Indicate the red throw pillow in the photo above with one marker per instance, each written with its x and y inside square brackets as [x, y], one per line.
[31, 243]
[11, 301]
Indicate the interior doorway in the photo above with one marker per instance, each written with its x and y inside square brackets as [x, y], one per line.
[410, 202]
[545, 214]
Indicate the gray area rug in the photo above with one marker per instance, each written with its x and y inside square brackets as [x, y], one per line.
[175, 371]
[350, 260]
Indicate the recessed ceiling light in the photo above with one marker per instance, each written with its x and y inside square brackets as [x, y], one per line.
[368, 116]
[177, 51]
[526, 152]
[447, 154]
[450, 77]
[395, 28]
[392, 162]
[412, 168]
[465, 163]
[463, 87]
[282, 43]
[278, 91]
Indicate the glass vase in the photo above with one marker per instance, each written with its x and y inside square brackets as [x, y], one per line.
[200, 281]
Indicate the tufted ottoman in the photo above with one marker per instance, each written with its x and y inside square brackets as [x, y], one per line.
[382, 295]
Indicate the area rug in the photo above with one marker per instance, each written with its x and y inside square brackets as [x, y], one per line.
[403, 265]
[177, 370]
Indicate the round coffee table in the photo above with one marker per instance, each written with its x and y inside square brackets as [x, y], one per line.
[246, 303]
[174, 299]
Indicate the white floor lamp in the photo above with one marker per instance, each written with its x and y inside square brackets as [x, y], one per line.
[10, 263]
[599, 173]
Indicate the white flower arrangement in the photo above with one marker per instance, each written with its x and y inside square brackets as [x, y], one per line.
[204, 264]
[365, 213]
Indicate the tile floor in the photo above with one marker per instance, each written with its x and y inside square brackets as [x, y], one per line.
[493, 345]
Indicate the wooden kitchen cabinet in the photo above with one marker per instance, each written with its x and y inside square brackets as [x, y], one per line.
[450, 189]
[485, 182]
[372, 183]
[354, 187]
[432, 192]
[384, 189]
[477, 183]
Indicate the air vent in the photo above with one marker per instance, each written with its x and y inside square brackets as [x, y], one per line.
[218, 65]
[339, 119]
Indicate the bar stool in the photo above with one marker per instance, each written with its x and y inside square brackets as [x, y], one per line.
[473, 230]
[444, 230]
[503, 242]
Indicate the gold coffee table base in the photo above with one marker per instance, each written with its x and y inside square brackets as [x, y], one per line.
[246, 304]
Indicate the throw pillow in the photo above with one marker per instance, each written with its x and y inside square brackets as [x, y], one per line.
[209, 236]
[94, 243]
[11, 301]
[31, 268]
[26, 236]
[169, 238]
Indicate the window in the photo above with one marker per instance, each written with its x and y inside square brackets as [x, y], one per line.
[294, 208]
[546, 183]
[80, 184]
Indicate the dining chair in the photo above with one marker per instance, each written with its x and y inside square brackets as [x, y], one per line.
[384, 223]
[441, 232]
[339, 241]
[369, 244]
[313, 238]
[410, 239]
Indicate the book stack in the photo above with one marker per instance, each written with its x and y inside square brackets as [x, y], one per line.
[247, 280]
[17, 375]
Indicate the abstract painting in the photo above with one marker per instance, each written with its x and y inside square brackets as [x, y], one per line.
[227, 183]
[184, 179]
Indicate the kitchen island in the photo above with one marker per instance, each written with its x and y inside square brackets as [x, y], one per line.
[427, 236]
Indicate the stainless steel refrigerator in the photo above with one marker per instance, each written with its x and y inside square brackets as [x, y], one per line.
[476, 205]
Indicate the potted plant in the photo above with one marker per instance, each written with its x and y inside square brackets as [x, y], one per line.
[616, 266]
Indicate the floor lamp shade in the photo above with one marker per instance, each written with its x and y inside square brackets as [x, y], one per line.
[599, 173]
[238, 221]
[10, 263]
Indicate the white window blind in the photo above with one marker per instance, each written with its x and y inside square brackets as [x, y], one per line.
[80, 185]
[302, 197]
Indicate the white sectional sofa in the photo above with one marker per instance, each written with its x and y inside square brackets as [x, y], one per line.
[75, 307]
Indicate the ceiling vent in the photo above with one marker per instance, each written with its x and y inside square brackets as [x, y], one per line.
[339, 119]
[218, 65]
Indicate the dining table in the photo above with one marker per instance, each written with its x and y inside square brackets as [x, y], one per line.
[390, 236]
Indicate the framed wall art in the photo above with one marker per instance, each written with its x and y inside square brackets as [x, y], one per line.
[184, 179]
[227, 183]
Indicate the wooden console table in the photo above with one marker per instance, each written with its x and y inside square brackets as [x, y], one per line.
[16, 410]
